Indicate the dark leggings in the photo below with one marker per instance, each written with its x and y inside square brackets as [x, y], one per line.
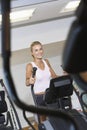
[39, 100]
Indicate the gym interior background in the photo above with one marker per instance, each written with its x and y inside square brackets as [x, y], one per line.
[53, 36]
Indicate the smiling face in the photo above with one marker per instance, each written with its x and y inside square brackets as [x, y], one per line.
[37, 51]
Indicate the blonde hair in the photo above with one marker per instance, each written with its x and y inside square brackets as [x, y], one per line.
[34, 43]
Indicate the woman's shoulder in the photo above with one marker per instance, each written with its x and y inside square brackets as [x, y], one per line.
[47, 61]
[29, 65]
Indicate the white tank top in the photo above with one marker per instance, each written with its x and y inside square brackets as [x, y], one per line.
[42, 78]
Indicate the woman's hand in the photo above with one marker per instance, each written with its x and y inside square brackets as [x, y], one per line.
[32, 80]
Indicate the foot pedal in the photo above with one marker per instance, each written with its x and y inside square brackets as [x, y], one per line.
[41, 127]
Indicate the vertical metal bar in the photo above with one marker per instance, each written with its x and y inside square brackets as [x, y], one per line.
[5, 10]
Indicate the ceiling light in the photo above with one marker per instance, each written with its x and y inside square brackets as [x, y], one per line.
[22, 15]
[71, 6]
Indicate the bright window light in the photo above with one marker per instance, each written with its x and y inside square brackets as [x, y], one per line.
[21, 15]
[71, 6]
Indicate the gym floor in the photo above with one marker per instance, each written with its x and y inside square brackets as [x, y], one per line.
[29, 128]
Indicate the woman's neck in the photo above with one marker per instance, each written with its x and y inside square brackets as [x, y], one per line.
[38, 60]
[40, 63]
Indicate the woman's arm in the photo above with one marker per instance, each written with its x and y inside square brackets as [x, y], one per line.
[29, 79]
[53, 74]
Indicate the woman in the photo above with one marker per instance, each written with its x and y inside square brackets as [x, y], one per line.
[43, 74]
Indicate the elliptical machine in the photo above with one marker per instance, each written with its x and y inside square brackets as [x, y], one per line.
[58, 97]
[10, 115]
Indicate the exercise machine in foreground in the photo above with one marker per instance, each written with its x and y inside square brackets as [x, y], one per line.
[58, 97]
[9, 119]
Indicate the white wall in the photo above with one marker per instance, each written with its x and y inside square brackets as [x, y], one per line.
[48, 32]
[45, 32]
